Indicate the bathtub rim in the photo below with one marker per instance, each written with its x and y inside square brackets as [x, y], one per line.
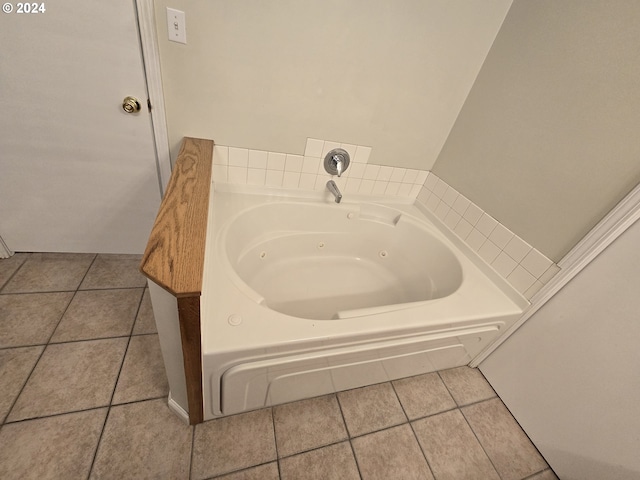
[406, 204]
[510, 300]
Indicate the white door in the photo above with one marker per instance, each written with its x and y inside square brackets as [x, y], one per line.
[77, 173]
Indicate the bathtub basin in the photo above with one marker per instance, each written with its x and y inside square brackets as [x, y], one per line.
[303, 296]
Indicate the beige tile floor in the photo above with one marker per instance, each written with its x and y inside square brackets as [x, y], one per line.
[83, 396]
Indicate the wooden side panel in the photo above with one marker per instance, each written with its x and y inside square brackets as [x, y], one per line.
[189, 312]
[174, 257]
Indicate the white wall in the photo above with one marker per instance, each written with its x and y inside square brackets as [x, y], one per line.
[571, 374]
[266, 75]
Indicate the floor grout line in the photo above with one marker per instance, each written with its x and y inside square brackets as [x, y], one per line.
[13, 274]
[349, 437]
[415, 435]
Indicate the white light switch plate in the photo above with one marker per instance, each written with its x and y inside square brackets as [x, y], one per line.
[176, 25]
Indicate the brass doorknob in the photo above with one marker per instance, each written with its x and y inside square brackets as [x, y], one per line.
[131, 105]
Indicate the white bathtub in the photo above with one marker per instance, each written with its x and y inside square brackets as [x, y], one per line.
[303, 297]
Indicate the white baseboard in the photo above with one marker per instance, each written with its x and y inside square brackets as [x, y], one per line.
[178, 410]
[4, 250]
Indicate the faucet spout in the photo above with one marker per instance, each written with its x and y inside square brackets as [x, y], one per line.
[333, 188]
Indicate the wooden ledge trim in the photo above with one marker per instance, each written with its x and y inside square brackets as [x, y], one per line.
[174, 257]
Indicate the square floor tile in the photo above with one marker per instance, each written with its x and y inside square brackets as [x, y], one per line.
[508, 447]
[370, 408]
[145, 321]
[50, 272]
[467, 385]
[308, 424]
[143, 375]
[99, 314]
[451, 448]
[392, 453]
[114, 271]
[143, 440]
[233, 443]
[9, 266]
[30, 319]
[268, 471]
[15, 366]
[335, 462]
[423, 395]
[51, 448]
[71, 377]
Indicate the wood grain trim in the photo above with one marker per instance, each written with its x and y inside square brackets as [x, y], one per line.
[189, 313]
[174, 257]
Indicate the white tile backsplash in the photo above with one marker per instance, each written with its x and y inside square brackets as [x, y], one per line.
[384, 174]
[219, 172]
[256, 167]
[238, 157]
[421, 178]
[310, 165]
[501, 235]
[461, 204]
[450, 196]
[274, 178]
[291, 179]
[486, 224]
[489, 251]
[293, 163]
[523, 266]
[237, 174]
[307, 181]
[276, 161]
[517, 248]
[504, 264]
[256, 176]
[356, 170]
[258, 159]
[398, 175]
[536, 262]
[521, 279]
[379, 187]
[220, 155]
[351, 149]
[472, 214]
[328, 146]
[371, 172]
[362, 154]
[463, 229]
[392, 189]
[314, 147]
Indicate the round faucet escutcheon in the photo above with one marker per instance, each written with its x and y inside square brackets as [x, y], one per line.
[336, 161]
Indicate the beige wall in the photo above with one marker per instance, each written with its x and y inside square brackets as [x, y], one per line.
[547, 141]
[268, 74]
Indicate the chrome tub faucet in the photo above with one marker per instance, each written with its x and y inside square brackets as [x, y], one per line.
[333, 188]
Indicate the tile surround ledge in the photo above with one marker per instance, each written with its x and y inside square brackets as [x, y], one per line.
[524, 267]
[306, 172]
